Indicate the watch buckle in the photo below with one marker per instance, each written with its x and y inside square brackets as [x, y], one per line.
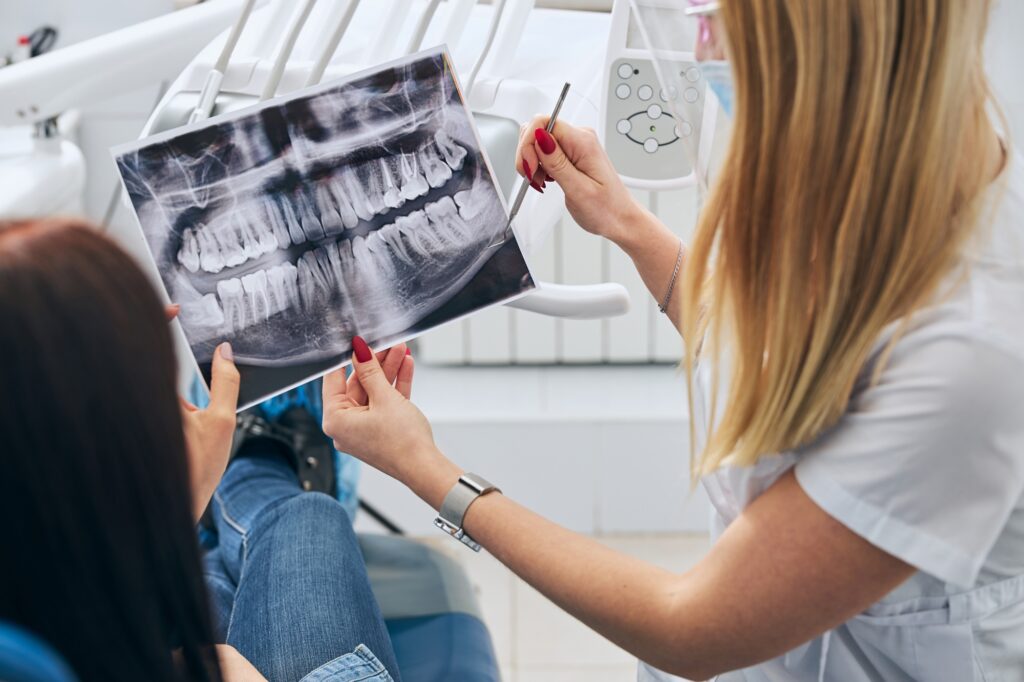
[457, 533]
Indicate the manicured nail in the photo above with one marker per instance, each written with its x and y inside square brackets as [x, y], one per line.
[174, 308]
[545, 141]
[226, 352]
[408, 351]
[527, 170]
[537, 187]
[362, 351]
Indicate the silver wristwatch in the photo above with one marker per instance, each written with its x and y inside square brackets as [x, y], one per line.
[453, 510]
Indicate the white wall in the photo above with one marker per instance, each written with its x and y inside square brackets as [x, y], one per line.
[106, 123]
[599, 450]
[75, 19]
[1005, 57]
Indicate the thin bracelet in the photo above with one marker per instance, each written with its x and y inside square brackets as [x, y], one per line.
[663, 306]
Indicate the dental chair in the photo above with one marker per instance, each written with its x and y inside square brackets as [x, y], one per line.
[430, 611]
[26, 658]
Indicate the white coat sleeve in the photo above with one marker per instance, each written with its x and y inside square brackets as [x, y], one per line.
[928, 463]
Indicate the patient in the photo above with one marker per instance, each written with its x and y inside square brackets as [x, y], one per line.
[105, 471]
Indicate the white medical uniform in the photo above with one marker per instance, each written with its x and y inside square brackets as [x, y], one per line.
[928, 465]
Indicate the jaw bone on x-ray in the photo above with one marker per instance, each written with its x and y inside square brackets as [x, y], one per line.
[365, 207]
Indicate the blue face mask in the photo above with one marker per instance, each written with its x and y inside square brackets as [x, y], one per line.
[718, 75]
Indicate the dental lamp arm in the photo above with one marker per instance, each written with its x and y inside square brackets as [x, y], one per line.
[124, 60]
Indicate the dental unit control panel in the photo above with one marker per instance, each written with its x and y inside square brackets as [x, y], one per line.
[648, 122]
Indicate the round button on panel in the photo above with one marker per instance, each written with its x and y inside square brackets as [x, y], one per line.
[683, 129]
[669, 94]
[654, 111]
[645, 92]
[625, 70]
[691, 95]
[623, 91]
[624, 126]
[693, 74]
[650, 133]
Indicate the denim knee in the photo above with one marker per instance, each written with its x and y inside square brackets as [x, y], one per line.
[316, 513]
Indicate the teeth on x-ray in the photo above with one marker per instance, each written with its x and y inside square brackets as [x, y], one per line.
[359, 209]
[323, 211]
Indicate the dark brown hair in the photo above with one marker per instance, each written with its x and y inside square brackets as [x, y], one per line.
[99, 553]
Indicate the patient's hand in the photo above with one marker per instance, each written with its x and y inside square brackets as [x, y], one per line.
[369, 415]
[208, 432]
[234, 667]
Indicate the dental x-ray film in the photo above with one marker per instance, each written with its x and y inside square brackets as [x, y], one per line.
[363, 207]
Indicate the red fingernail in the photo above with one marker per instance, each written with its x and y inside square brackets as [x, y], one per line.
[544, 139]
[362, 351]
[527, 171]
[408, 351]
[537, 187]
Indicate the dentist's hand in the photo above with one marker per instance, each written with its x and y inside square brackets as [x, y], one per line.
[372, 419]
[574, 158]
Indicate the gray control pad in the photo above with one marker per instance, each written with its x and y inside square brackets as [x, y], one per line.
[642, 136]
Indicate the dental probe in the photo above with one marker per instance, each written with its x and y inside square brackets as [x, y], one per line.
[524, 186]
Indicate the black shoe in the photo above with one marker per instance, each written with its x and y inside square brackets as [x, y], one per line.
[297, 435]
[314, 450]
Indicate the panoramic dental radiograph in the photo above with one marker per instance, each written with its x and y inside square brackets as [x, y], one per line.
[362, 207]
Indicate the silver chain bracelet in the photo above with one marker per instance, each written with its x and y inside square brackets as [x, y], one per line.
[663, 306]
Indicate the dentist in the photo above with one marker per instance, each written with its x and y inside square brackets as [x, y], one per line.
[852, 311]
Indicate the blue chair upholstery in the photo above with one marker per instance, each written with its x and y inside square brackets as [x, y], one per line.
[430, 610]
[26, 658]
[454, 647]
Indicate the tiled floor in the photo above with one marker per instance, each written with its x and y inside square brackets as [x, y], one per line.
[537, 642]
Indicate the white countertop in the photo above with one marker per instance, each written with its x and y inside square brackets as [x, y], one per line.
[592, 393]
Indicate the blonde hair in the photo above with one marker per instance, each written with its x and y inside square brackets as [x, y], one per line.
[846, 195]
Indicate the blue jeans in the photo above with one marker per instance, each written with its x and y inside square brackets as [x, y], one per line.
[287, 582]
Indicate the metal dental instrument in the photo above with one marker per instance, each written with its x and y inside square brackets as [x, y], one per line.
[524, 185]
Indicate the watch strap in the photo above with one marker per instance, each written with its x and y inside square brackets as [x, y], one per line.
[458, 500]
